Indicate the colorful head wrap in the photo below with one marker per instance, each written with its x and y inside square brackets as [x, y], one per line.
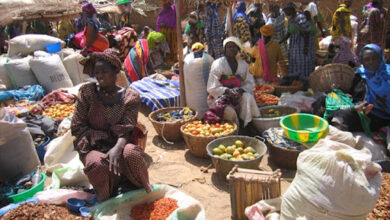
[109, 55]
[89, 8]
[235, 40]
[267, 30]
[155, 37]
[197, 47]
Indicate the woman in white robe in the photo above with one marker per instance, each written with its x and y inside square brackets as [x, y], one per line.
[229, 75]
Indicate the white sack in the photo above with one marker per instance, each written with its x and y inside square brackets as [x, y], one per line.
[196, 72]
[333, 181]
[60, 196]
[26, 44]
[75, 69]
[50, 72]
[4, 78]
[20, 73]
[17, 151]
[324, 43]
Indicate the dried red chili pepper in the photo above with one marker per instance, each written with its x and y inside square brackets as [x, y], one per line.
[160, 209]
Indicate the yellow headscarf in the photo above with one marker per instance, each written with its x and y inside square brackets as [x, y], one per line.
[267, 30]
[197, 47]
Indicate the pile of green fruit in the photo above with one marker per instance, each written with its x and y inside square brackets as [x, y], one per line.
[272, 113]
[237, 152]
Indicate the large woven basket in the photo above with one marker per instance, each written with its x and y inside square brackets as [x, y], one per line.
[325, 78]
[263, 124]
[279, 90]
[142, 141]
[197, 144]
[169, 131]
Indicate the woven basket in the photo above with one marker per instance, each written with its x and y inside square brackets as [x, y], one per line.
[282, 157]
[169, 131]
[263, 124]
[323, 79]
[142, 141]
[197, 144]
[279, 90]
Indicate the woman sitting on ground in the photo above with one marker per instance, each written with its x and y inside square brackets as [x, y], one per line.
[104, 124]
[230, 85]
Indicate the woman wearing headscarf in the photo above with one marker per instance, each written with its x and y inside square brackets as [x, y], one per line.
[166, 24]
[301, 59]
[241, 23]
[376, 74]
[345, 55]
[93, 40]
[194, 29]
[230, 85]
[104, 124]
[373, 27]
[158, 48]
[341, 21]
[137, 61]
[278, 22]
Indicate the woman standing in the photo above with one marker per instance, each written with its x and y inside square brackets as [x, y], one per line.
[277, 20]
[372, 29]
[104, 124]
[231, 81]
[166, 24]
[301, 60]
[341, 21]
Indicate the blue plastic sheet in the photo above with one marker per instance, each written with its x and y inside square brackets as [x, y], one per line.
[32, 93]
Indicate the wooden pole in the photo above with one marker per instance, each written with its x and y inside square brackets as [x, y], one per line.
[180, 52]
[231, 18]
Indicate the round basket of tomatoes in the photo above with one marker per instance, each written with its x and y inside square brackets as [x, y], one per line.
[264, 99]
[264, 89]
[198, 134]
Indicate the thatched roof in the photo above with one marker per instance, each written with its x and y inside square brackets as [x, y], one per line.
[23, 10]
[109, 6]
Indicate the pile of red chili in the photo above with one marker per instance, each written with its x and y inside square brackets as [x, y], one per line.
[158, 210]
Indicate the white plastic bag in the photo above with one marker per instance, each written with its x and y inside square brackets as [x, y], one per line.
[4, 78]
[75, 69]
[20, 73]
[50, 72]
[298, 100]
[264, 209]
[60, 196]
[120, 207]
[333, 181]
[196, 74]
[26, 44]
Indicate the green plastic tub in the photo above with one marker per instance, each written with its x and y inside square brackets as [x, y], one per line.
[29, 193]
[304, 128]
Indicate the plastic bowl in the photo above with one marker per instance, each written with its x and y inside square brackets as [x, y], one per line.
[29, 193]
[41, 149]
[304, 128]
[53, 48]
[84, 211]
[74, 204]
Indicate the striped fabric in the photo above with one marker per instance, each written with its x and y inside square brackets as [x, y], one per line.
[157, 94]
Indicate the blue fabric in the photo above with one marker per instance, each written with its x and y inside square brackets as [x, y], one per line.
[32, 93]
[157, 94]
[241, 8]
[213, 31]
[377, 83]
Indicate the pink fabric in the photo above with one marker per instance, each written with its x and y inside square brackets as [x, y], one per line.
[267, 76]
[78, 39]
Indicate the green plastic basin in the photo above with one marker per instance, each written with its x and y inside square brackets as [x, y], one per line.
[29, 193]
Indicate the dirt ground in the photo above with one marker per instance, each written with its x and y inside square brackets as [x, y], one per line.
[174, 165]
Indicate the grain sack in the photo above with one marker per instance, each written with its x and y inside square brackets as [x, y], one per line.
[4, 78]
[75, 69]
[50, 72]
[20, 73]
[67, 52]
[26, 44]
[196, 74]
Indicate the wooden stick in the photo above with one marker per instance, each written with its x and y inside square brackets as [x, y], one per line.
[231, 19]
[180, 52]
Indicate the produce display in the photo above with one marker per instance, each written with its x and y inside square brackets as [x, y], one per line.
[263, 88]
[41, 211]
[204, 129]
[265, 99]
[236, 151]
[59, 111]
[158, 210]
[272, 113]
[175, 115]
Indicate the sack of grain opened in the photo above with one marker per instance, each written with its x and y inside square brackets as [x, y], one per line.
[50, 72]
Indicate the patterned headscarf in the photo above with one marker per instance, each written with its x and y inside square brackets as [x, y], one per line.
[197, 46]
[234, 40]
[89, 8]
[109, 55]
[267, 30]
[241, 8]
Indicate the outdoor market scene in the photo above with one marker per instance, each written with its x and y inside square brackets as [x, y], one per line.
[195, 109]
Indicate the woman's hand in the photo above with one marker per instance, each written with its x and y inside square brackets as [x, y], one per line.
[114, 156]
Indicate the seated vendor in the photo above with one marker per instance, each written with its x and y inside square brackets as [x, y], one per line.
[104, 123]
[376, 74]
[230, 84]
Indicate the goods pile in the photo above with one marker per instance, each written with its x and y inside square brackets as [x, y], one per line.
[59, 111]
[236, 151]
[41, 211]
[158, 210]
[272, 113]
[263, 88]
[204, 129]
[382, 208]
[266, 99]
[176, 115]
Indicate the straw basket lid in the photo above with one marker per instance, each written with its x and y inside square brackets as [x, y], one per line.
[324, 78]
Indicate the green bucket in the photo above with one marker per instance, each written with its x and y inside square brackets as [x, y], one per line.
[304, 128]
[29, 193]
